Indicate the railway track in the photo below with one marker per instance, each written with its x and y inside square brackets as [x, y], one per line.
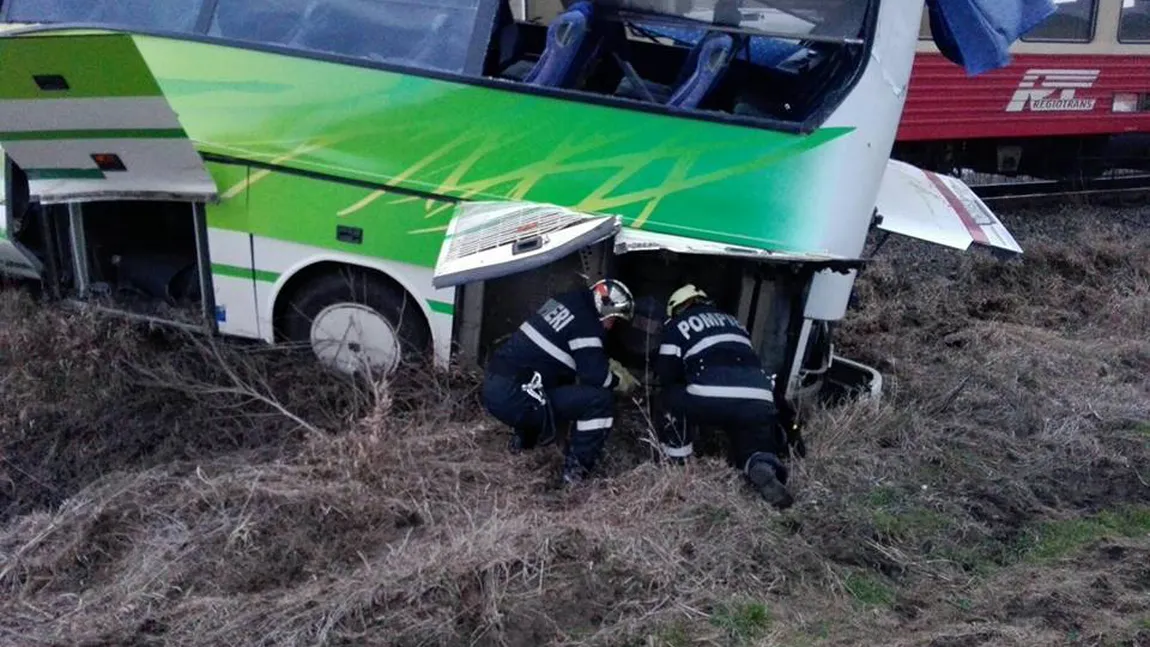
[1120, 187]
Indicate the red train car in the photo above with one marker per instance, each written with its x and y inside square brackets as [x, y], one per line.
[1074, 102]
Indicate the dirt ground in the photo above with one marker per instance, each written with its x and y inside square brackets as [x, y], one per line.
[163, 491]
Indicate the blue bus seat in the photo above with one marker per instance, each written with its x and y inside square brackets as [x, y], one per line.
[704, 68]
[567, 48]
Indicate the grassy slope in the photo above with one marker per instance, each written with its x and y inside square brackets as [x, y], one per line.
[998, 496]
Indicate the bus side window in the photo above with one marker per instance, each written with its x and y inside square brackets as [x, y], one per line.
[169, 15]
[274, 22]
[430, 36]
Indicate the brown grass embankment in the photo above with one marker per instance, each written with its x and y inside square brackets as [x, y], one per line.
[158, 492]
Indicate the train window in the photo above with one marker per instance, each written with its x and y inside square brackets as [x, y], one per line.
[1071, 22]
[1134, 24]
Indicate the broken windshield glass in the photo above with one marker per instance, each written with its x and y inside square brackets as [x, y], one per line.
[834, 20]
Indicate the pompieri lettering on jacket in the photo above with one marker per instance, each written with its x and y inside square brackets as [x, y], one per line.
[706, 321]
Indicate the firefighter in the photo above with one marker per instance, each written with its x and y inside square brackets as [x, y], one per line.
[710, 375]
[529, 379]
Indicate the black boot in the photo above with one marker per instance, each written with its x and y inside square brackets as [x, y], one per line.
[518, 441]
[573, 472]
[524, 438]
[768, 476]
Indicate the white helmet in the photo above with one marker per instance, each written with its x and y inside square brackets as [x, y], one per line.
[612, 299]
[682, 296]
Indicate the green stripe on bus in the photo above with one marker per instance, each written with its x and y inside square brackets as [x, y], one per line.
[441, 307]
[237, 272]
[233, 271]
[265, 276]
[131, 133]
[95, 66]
[64, 174]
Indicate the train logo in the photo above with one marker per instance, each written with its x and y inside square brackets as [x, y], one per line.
[1053, 91]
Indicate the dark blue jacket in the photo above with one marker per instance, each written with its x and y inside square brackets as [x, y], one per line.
[711, 353]
[562, 340]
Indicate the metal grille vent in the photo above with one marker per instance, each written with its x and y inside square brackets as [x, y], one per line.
[485, 225]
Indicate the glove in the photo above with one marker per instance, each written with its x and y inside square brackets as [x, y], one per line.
[627, 382]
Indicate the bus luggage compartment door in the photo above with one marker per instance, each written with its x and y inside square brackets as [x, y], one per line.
[488, 240]
[84, 118]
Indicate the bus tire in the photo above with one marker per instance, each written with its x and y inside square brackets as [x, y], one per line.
[353, 315]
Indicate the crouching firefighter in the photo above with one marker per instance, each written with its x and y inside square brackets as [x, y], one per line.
[711, 376]
[554, 370]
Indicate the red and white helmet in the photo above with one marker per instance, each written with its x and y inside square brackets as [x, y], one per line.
[612, 299]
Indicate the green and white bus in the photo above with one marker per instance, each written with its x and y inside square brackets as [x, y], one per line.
[390, 178]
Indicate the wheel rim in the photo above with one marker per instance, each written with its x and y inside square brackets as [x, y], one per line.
[350, 337]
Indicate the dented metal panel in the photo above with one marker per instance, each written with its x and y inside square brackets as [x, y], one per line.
[938, 209]
[488, 240]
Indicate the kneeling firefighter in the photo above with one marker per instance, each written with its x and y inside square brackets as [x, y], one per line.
[712, 376]
[529, 381]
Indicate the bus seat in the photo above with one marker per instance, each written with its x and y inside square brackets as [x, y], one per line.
[705, 64]
[703, 69]
[566, 47]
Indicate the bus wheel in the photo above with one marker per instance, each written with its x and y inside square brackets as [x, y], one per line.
[355, 322]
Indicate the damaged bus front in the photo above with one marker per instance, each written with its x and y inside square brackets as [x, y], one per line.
[375, 178]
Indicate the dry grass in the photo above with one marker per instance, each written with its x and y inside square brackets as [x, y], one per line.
[159, 491]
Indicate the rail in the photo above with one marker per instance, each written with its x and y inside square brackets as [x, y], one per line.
[1016, 192]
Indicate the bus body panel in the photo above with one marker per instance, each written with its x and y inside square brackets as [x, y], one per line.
[93, 132]
[230, 256]
[938, 209]
[857, 163]
[281, 261]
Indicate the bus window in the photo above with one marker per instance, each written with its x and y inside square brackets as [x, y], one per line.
[1134, 25]
[430, 35]
[169, 15]
[1071, 22]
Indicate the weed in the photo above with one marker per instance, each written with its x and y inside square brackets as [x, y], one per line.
[882, 496]
[675, 635]
[912, 524]
[1056, 539]
[869, 590]
[743, 621]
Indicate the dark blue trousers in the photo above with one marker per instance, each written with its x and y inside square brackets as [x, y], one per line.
[590, 408]
[750, 425]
